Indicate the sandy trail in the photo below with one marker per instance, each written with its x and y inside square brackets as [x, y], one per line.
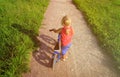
[86, 59]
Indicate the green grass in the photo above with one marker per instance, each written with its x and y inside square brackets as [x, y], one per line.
[103, 17]
[20, 21]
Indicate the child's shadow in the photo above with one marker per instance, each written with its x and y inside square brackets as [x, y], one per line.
[44, 53]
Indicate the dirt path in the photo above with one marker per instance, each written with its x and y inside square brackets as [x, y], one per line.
[86, 59]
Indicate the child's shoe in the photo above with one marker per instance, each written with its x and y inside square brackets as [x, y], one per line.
[63, 59]
[66, 57]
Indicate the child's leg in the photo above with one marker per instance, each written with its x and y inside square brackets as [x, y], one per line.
[64, 51]
[64, 56]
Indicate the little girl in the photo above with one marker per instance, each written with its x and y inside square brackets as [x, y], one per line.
[66, 34]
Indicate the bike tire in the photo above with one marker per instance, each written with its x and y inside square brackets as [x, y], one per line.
[54, 60]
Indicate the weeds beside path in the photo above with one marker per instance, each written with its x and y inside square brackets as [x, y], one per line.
[86, 59]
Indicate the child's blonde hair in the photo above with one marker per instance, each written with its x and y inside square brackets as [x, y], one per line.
[66, 21]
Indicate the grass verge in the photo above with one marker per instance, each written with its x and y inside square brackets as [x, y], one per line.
[19, 24]
[103, 17]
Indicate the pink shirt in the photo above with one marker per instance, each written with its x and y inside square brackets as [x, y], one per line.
[66, 38]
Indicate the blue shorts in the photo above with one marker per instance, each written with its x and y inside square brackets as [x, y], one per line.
[65, 49]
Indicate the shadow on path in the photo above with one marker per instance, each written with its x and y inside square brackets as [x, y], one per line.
[44, 54]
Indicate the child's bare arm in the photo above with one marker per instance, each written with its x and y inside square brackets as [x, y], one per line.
[56, 30]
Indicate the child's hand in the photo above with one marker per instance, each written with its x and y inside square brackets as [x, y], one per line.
[52, 30]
